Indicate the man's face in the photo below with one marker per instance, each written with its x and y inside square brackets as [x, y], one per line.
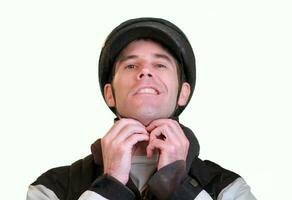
[145, 83]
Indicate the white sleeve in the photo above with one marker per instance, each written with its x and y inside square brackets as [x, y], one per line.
[40, 192]
[203, 195]
[90, 195]
[237, 190]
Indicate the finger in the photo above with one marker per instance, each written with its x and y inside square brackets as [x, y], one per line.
[129, 130]
[165, 132]
[134, 139]
[150, 127]
[155, 144]
[172, 123]
[118, 125]
[155, 124]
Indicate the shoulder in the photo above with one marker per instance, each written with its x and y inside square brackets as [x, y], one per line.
[55, 179]
[211, 176]
[69, 180]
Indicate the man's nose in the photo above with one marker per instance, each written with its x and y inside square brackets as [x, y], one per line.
[145, 73]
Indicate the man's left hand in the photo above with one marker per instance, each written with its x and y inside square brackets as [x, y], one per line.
[167, 136]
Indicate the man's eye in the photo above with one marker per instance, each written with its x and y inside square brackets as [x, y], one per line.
[130, 66]
[161, 66]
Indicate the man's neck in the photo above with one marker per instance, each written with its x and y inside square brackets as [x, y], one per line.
[145, 121]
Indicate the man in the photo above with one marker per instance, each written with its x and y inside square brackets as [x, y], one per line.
[147, 76]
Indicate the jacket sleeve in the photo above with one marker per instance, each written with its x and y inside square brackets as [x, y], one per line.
[40, 192]
[109, 188]
[172, 182]
[103, 188]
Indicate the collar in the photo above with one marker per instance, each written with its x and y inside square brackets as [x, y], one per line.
[194, 148]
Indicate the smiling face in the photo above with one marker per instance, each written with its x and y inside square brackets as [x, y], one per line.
[145, 83]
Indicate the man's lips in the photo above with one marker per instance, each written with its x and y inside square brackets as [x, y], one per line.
[147, 90]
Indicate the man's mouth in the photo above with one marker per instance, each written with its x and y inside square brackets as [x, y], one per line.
[147, 90]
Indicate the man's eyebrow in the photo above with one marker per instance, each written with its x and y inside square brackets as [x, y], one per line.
[166, 57]
[124, 58]
[156, 55]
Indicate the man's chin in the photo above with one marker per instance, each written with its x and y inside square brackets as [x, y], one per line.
[146, 117]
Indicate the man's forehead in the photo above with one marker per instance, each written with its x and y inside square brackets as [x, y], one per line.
[134, 49]
[125, 57]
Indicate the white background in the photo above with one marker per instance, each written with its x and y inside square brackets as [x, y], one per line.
[51, 108]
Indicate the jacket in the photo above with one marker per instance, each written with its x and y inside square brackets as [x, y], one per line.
[193, 179]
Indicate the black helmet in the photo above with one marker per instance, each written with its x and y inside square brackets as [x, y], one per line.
[160, 30]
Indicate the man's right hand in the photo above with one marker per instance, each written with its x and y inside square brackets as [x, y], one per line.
[117, 147]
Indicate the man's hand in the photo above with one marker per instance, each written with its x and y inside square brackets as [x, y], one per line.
[117, 147]
[167, 136]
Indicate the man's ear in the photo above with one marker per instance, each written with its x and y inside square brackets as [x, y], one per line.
[184, 94]
[108, 95]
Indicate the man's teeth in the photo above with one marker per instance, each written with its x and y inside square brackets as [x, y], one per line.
[147, 91]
